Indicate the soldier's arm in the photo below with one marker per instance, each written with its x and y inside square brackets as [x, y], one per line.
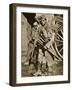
[50, 42]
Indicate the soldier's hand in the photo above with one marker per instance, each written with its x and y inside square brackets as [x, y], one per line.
[45, 47]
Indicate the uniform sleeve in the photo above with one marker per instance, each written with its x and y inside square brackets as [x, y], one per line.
[33, 34]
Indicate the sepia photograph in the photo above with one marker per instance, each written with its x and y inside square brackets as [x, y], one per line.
[41, 44]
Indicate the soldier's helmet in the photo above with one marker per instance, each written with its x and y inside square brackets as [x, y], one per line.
[41, 19]
[35, 25]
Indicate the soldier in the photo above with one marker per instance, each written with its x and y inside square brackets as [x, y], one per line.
[47, 38]
[35, 49]
[41, 59]
[38, 47]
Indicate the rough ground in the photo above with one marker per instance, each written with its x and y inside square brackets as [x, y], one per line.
[55, 69]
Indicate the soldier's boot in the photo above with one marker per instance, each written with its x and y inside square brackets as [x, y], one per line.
[38, 73]
[44, 69]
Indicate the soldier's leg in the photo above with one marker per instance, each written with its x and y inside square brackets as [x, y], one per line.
[36, 58]
[40, 55]
[47, 66]
[38, 72]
